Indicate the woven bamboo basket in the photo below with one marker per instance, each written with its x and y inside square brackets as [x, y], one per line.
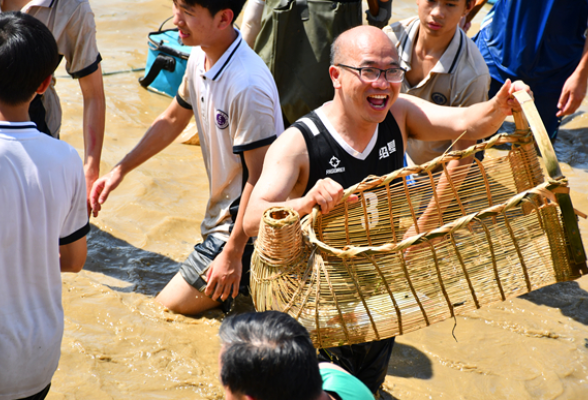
[419, 247]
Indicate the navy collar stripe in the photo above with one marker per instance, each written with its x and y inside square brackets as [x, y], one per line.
[228, 59]
[2, 126]
[458, 51]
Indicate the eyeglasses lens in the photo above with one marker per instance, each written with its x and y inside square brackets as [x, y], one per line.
[393, 75]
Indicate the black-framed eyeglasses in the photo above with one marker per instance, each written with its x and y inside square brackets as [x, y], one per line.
[372, 74]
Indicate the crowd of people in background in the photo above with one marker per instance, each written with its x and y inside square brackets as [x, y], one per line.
[272, 107]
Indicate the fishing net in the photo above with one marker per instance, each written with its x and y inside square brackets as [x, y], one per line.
[418, 247]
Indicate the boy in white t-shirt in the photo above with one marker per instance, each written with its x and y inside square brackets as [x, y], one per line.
[43, 214]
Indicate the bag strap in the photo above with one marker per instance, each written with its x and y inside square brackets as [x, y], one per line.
[302, 6]
[162, 61]
[163, 23]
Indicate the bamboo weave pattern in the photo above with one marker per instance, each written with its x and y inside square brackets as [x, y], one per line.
[416, 248]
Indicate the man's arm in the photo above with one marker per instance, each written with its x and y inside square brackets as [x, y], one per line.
[160, 134]
[427, 121]
[224, 274]
[252, 21]
[72, 256]
[284, 179]
[574, 89]
[93, 125]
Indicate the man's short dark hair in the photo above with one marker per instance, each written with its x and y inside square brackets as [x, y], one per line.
[269, 355]
[215, 6]
[28, 55]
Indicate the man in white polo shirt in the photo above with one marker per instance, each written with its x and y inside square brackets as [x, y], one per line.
[232, 94]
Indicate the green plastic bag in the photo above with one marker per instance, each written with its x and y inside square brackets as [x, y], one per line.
[295, 43]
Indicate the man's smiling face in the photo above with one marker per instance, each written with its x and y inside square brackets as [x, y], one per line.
[370, 100]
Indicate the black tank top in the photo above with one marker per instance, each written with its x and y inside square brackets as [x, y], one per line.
[329, 160]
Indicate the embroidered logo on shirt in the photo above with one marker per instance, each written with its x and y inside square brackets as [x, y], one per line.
[388, 149]
[392, 146]
[334, 161]
[384, 152]
[439, 98]
[221, 119]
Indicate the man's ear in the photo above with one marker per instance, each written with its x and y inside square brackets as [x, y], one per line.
[44, 85]
[335, 74]
[225, 18]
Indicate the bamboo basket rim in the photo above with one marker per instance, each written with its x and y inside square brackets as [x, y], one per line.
[520, 136]
[547, 190]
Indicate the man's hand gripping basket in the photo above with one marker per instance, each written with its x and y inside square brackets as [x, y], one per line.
[419, 247]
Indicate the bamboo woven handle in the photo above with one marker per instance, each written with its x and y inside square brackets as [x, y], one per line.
[552, 165]
[541, 137]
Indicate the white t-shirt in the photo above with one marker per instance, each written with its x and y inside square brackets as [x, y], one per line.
[237, 108]
[42, 206]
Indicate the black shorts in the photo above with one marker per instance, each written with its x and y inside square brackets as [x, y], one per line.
[196, 266]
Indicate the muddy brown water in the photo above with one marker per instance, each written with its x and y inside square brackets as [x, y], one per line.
[120, 344]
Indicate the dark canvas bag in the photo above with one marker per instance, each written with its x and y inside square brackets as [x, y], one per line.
[295, 42]
[166, 61]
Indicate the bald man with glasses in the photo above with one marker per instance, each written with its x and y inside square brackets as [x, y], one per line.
[361, 132]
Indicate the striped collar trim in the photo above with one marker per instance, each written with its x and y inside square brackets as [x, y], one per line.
[38, 3]
[16, 126]
[221, 65]
[344, 145]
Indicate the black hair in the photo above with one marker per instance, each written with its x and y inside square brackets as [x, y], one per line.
[214, 6]
[268, 356]
[28, 55]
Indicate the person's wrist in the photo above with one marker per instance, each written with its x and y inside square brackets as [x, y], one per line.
[233, 249]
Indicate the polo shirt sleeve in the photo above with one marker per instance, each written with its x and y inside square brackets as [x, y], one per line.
[252, 120]
[75, 224]
[78, 42]
[183, 96]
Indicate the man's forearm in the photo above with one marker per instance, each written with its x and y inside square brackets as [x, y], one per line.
[93, 121]
[94, 116]
[445, 192]
[582, 68]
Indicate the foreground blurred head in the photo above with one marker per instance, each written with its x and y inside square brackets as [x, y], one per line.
[267, 356]
[28, 56]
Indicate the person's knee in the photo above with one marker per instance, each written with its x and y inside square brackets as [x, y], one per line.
[182, 298]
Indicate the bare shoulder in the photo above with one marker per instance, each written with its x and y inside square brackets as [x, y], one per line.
[286, 162]
[400, 110]
[290, 143]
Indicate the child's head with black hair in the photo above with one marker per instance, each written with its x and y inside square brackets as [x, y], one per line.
[214, 6]
[28, 56]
